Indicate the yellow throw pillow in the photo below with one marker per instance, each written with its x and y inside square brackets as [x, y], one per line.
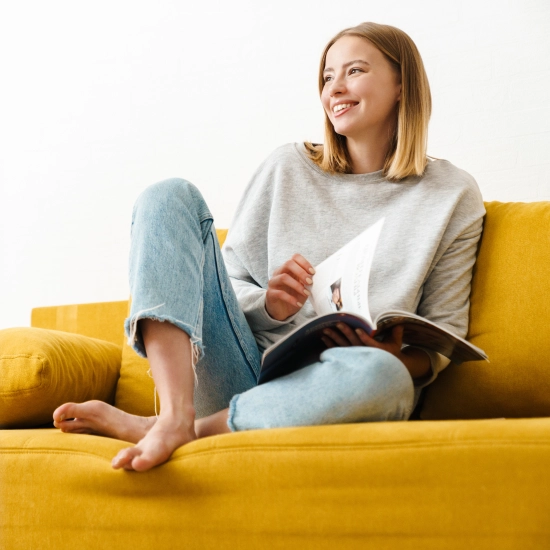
[135, 391]
[41, 369]
[509, 319]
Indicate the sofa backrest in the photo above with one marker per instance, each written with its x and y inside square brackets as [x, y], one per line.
[509, 319]
[103, 320]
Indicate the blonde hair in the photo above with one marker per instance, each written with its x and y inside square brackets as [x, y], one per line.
[406, 155]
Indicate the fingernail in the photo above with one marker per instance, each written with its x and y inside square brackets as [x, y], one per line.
[312, 271]
[309, 281]
[358, 331]
[299, 304]
[61, 418]
[306, 292]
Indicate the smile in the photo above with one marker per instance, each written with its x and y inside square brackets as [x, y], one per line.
[342, 108]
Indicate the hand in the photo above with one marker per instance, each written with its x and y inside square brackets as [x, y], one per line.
[346, 336]
[286, 290]
[416, 360]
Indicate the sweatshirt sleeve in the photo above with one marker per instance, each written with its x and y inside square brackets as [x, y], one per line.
[245, 250]
[446, 292]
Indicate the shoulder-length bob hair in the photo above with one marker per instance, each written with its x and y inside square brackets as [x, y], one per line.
[407, 152]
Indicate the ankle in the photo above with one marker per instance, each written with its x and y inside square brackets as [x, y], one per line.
[183, 414]
[214, 424]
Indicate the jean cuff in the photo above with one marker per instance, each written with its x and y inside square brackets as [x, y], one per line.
[231, 414]
[135, 340]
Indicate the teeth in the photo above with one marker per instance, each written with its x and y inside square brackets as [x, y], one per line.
[342, 106]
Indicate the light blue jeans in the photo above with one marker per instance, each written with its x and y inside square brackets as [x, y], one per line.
[177, 274]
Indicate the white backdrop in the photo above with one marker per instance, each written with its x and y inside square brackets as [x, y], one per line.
[100, 99]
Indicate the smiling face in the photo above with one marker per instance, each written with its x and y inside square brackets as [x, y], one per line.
[361, 89]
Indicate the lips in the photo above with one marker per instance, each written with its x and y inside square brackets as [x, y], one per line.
[344, 111]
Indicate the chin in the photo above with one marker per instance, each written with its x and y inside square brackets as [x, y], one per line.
[343, 132]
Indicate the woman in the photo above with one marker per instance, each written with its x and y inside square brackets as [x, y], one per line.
[203, 320]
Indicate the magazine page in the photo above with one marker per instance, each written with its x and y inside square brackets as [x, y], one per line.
[341, 282]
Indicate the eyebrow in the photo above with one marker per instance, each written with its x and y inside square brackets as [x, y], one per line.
[346, 65]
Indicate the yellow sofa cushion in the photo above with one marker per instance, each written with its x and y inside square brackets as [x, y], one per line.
[135, 391]
[509, 319]
[41, 369]
[384, 485]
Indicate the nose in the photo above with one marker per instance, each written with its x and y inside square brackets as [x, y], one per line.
[337, 86]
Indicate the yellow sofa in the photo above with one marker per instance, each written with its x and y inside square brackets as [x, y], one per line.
[472, 471]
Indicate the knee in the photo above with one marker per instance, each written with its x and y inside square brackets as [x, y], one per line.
[166, 195]
[370, 365]
[382, 385]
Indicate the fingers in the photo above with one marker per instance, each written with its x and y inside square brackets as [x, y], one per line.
[303, 263]
[345, 336]
[397, 334]
[342, 336]
[286, 282]
[283, 298]
[298, 268]
[286, 290]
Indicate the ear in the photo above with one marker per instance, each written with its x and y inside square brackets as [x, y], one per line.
[398, 92]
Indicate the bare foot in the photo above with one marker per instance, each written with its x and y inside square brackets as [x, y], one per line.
[154, 446]
[167, 434]
[99, 418]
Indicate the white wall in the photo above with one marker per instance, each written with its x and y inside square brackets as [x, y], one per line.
[100, 99]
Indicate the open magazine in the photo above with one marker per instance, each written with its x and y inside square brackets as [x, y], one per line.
[339, 294]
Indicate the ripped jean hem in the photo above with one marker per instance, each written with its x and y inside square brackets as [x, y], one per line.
[135, 340]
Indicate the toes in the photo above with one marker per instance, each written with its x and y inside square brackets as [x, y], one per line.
[136, 459]
[155, 448]
[88, 409]
[73, 426]
[142, 463]
[124, 458]
[141, 458]
[67, 410]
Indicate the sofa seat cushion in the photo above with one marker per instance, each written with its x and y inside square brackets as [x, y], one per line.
[431, 485]
[41, 369]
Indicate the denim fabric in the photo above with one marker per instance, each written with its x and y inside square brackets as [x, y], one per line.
[177, 274]
[354, 384]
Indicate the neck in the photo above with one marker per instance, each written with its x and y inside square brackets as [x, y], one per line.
[368, 153]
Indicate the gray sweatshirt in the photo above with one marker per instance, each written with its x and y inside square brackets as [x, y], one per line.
[424, 257]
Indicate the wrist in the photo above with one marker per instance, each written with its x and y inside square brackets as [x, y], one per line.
[269, 313]
[416, 360]
[274, 314]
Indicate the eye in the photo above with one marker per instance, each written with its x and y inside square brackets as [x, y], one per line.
[355, 69]
[327, 78]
